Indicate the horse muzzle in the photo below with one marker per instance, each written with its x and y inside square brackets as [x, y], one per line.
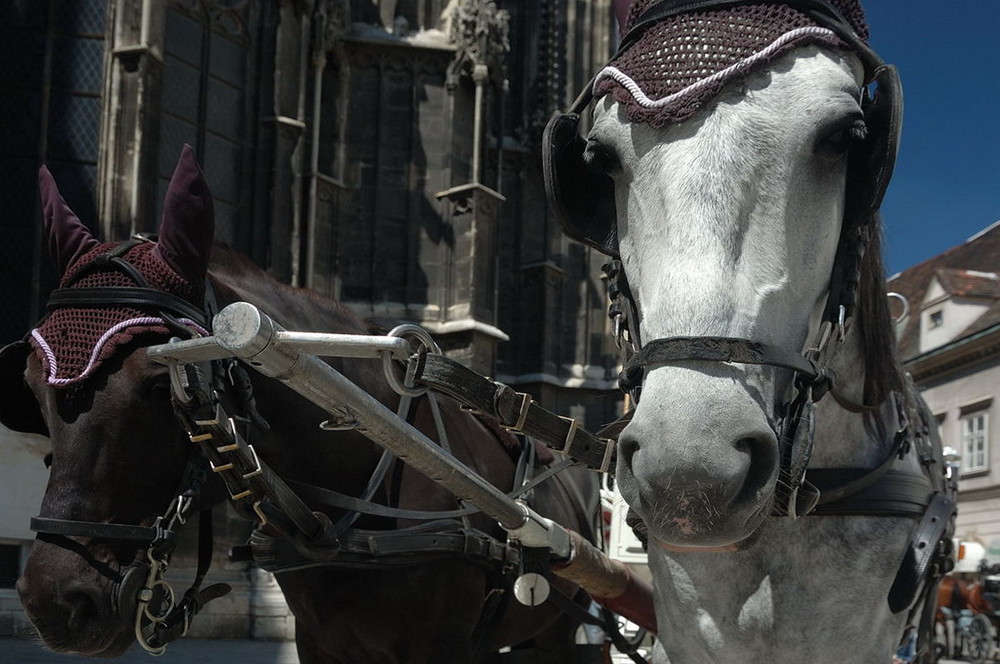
[699, 460]
[68, 603]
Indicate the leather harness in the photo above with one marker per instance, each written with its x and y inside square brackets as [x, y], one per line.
[290, 535]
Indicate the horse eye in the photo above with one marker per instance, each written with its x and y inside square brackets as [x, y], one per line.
[841, 141]
[156, 387]
[47, 460]
[600, 158]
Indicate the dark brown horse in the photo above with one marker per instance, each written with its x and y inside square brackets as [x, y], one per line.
[119, 453]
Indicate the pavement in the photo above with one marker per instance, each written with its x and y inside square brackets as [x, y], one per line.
[185, 651]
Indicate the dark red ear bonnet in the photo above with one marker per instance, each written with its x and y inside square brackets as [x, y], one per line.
[72, 342]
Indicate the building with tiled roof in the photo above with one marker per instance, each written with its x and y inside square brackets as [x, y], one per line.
[949, 339]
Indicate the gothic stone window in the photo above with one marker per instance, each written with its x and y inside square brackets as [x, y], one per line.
[206, 84]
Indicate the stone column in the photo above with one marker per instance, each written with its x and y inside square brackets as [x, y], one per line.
[468, 330]
[285, 129]
[129, 134]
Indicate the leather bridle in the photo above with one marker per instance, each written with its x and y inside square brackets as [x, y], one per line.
[140, 595]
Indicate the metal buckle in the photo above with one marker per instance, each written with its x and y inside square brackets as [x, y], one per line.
[571, 434]
[221, 468]
[842, 324]
[609, 454]
[523, 414]
[260, 513]
[256, 460]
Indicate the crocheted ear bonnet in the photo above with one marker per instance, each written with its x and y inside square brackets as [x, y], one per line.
[683, 61]
[73, 341]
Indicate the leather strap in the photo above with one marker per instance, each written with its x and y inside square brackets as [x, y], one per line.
[378, 548]
[516, 411]
[726, 349]
[140, 298]
[839, 484]
[68, 527]
[176, 624]
[343, 501]
[897, 492]
[920, 553]
[605, 621]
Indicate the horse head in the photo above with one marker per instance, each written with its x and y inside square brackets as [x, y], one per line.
[735, 176]
[117, 450]
[721, 239]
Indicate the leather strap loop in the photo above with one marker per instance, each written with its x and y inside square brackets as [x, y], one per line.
[916, 568]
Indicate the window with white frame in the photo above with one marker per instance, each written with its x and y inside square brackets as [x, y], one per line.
[975, 442]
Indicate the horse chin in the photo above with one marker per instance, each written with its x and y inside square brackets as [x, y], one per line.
[723, 535]
[698, 525]
[741, 545]
[107, 641]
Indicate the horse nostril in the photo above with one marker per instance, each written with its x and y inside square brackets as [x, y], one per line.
[762, 453]
[626, 448]
[83, 608]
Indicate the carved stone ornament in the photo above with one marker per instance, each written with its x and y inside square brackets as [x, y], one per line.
[230, 17]
[338, 21]
[481, 32]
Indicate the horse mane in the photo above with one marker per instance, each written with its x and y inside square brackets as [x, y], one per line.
[238, 272]
[876, 333]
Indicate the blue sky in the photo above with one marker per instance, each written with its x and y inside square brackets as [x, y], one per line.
[946, 186]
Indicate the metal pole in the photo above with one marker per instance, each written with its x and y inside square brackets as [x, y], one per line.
[323, 344]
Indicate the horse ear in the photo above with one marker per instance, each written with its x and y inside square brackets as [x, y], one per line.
[69, 238]
[621, 13]
[188, 225]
